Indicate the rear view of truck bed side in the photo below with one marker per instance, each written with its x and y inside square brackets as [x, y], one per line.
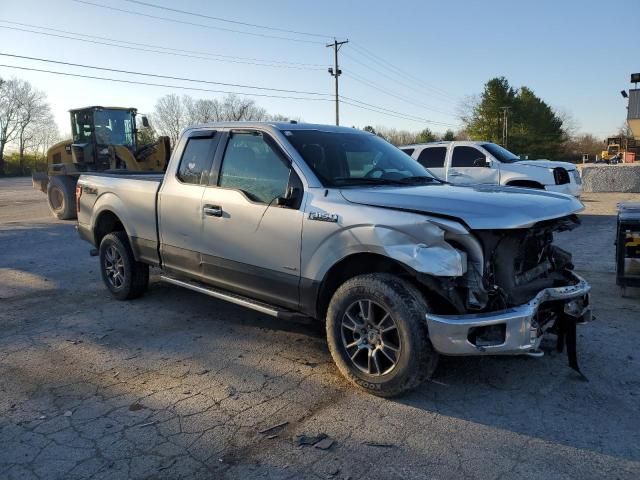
[133, 196]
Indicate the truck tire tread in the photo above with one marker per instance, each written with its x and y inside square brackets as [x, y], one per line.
[409, 306]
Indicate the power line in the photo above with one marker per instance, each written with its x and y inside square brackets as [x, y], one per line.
[400, 72]
[179, 87]
[383, 109]
[168, 77]
[359, 79]
[179, 50]
[220, 19]
[226, 58]
[418, 120]
[184, 22]
[384, 74]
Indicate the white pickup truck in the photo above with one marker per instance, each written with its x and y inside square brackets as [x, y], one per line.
[466, 162]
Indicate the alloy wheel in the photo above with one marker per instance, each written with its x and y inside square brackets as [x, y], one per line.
[370, 337]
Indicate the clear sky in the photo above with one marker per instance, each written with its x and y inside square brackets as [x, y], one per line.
[575, 54]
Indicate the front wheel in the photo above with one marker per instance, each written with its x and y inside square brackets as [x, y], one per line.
[122, 274]
[377, 334]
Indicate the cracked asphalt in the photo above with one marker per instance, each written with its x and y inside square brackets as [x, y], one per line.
[179, 385]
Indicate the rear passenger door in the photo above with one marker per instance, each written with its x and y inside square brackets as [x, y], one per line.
[251, 245]
[471, 166]
[180, 202]
[433, 158]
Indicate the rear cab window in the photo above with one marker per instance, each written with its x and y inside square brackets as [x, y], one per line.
[197, 158]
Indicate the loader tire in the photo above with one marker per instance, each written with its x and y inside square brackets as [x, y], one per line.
[61, 193]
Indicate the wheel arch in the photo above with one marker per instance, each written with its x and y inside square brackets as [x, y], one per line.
[351, 266]
[107, 222]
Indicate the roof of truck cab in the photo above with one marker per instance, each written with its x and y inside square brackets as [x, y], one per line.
[95, 107]
[281, 126]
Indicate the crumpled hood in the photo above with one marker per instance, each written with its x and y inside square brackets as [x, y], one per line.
[546, 164]
[481, 207]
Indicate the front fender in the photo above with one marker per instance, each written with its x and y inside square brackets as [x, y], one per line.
[422, 249]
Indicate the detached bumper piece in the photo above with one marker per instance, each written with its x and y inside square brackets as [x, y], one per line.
[517, 330]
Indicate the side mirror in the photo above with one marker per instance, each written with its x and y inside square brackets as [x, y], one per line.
[290, 198]
[145, 121]
[482, 162]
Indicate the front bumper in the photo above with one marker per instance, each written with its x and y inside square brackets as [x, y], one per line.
[450, 334]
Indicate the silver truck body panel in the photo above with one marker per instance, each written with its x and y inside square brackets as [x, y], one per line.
[220, 236]
[481, 207]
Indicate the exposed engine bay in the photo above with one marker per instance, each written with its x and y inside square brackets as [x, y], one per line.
[519, 263]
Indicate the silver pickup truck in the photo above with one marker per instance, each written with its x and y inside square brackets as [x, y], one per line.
[338, 225]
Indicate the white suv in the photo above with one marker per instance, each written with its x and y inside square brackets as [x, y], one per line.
[484, 162]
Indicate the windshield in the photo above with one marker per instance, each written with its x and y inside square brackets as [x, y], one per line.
[114, 127]
[501, 154]
[344, 159]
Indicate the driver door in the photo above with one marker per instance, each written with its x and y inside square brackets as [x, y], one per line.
[251, 242]
[468, 166]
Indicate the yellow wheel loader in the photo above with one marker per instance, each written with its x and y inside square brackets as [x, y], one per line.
[104, 139]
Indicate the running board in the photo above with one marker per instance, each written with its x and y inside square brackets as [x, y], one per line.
[232, 298]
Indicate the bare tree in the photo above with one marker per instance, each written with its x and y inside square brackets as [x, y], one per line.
[236, 108]
[202, 110]
[47, 134]
[33, 115]
[9, 114]
[169, 116]
[173, 113]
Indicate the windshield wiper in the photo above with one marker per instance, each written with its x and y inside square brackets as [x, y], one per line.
[346, 181]
[418, 179]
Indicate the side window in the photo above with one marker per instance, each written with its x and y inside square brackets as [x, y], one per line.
[466, 157]
[408, 151]
[196, 160]
[432, 157]
[253, 166]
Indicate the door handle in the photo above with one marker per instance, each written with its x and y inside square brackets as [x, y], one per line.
[455, 174]
[212, 210]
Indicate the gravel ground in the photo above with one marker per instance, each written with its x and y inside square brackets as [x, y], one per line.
[611, 178]
[179, 385]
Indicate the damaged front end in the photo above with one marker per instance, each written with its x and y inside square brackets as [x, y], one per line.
[518, 285]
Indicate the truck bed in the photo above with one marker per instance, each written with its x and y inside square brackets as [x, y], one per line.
[136, 193]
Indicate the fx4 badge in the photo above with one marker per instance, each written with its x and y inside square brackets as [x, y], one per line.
[323, 217]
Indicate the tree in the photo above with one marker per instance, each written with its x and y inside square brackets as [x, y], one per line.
[33, 115]
[370, 129]
[534, 128]
[169, 116]
[9, 114]
[425, 136]
[173, 113]
[449, 136]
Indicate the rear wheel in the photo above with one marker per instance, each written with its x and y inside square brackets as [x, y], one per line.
[121, 273]
[377, 334]
[61, 193]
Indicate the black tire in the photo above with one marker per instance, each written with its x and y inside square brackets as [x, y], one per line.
[61, 193]
[121, 273]
[416, 359]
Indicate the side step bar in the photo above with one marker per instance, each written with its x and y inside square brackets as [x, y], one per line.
[233, 298]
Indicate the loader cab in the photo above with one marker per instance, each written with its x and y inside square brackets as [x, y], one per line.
[95, 129]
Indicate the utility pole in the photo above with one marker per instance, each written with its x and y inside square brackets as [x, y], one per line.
[336, 72]
[505, 125]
